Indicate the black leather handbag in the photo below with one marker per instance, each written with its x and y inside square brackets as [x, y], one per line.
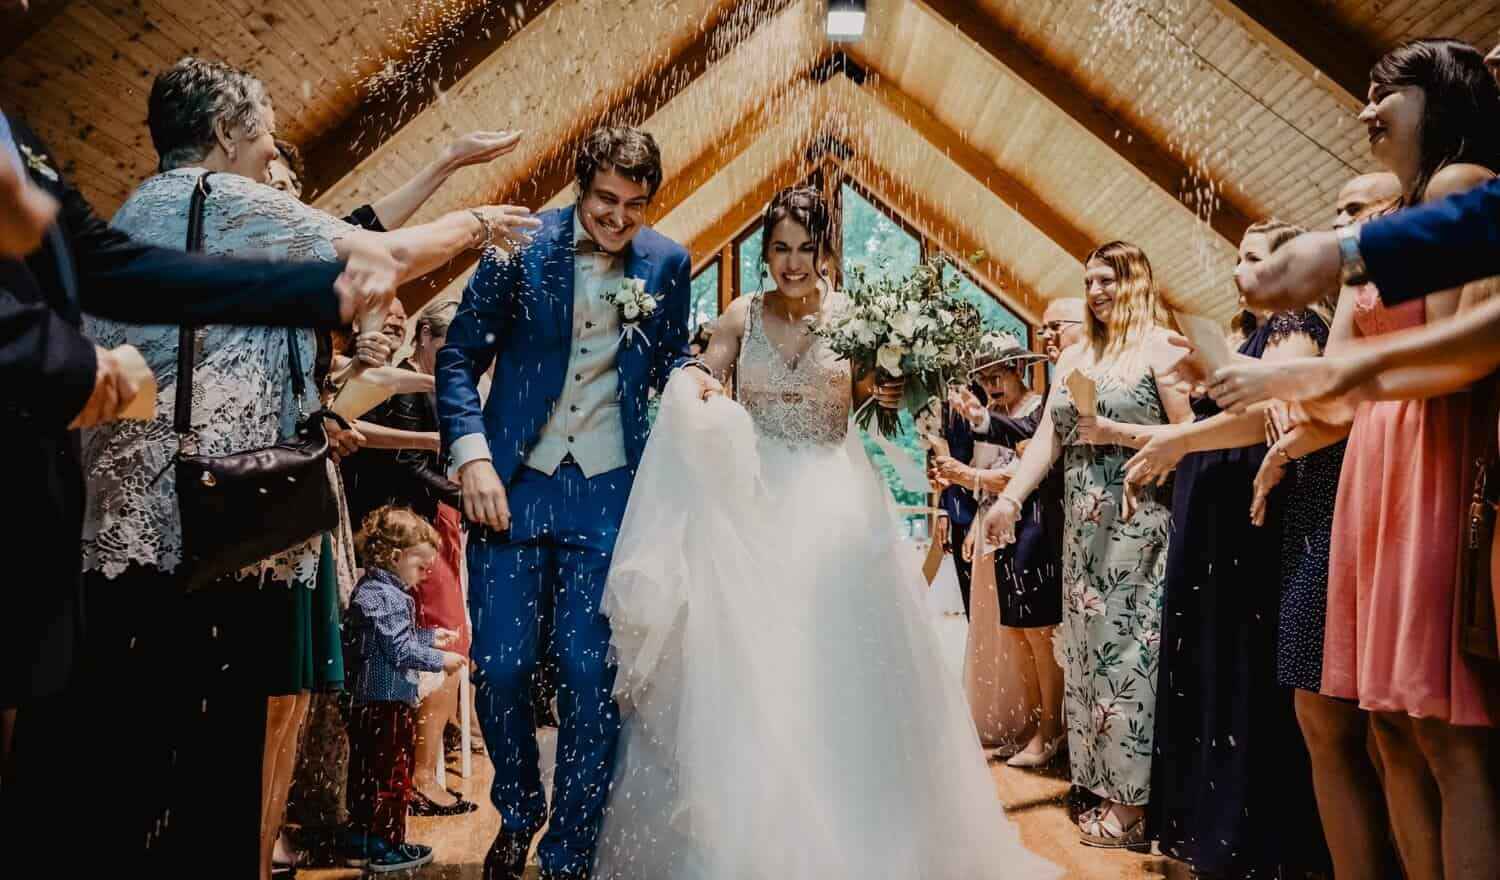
[241, 508]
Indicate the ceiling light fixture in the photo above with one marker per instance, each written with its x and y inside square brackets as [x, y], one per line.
[846, 20]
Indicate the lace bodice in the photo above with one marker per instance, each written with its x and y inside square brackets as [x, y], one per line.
[242, 392]
[806, 402]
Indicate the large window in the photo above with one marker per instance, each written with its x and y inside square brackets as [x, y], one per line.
[705, 296]
[995, 315]
[747, 253]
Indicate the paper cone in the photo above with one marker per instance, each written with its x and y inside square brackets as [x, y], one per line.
[141, 407]
[1084, 390]
[1207, 337]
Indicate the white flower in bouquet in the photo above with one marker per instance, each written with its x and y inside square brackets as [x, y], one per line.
[630, 311]
[904, 325]
[927, 350]
[945, 317]
[889, 357]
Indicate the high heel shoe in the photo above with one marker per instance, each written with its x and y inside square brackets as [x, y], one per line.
[1040, 759]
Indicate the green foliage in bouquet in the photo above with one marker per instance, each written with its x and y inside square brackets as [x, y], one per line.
[913, 327]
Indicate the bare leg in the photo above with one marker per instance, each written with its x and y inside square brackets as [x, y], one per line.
[1460, 761]
[1049, 678]
[1412, 797]
[283, 724]
[1350, 801]
[432, 717]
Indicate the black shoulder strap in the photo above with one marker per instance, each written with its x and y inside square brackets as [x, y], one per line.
[182, 415]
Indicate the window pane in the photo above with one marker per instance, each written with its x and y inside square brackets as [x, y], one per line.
[995, 315]
[750, 265]
[705, 295]
[871, 238]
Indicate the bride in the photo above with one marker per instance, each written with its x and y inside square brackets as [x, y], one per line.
[788, 715]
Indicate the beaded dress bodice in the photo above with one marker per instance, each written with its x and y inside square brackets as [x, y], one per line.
[802, 403]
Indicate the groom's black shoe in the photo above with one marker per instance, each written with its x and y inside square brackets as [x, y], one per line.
[506, 859]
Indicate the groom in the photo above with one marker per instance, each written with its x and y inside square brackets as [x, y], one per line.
[546, 470]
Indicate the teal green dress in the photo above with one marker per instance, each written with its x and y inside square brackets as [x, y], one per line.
[1114, 577]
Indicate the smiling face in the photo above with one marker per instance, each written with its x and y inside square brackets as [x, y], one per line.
[1255, 247]
[1363, 193]
[394, 326]
[1393, 124]
[613, 209]
[1062, 327]
[1100, 286]
[793, 260]
[247, 152]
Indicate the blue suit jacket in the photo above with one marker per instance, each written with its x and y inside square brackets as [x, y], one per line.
[1436, 246]
[518, 315]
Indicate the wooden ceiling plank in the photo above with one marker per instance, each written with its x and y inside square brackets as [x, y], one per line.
[1313, 43]
[379, 114]
[1132, 144]
[981, 167]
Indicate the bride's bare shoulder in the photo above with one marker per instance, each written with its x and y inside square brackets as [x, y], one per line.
[735, 318]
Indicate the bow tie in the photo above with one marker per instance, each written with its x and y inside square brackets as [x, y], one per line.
[587, 247]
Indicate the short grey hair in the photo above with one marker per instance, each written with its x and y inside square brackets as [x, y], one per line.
[437, 319]
[192, 97]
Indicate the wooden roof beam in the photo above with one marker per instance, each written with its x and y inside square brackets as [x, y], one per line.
[479, 34]
[1302, 35]
[1070, 95]
[1006, 187]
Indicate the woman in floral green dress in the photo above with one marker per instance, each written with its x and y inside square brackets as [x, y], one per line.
[1115, 544]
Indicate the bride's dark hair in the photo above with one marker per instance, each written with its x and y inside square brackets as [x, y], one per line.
[804, 206]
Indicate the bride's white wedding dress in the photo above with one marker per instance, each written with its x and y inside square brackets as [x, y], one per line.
[788, 715]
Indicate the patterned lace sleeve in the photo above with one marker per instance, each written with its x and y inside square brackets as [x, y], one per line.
[1304, 323]
[242, 389]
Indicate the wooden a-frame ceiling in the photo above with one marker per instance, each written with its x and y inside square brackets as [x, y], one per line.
[1031, 130]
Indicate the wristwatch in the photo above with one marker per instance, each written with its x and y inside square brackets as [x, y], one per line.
[1351, 262]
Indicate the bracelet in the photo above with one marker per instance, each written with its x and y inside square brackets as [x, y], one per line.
[1277, 450]
[484, 224]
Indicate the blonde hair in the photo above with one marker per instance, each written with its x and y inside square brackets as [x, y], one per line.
[1138, 308]
[389, 531]
[1278, 233]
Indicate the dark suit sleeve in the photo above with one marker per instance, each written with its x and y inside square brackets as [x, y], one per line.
[1436, 246]
[46, 363]
[672, 348]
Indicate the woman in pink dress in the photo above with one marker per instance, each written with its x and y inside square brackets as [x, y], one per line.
[1434, 121]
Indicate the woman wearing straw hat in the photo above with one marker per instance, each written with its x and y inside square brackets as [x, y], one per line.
[1010, 672]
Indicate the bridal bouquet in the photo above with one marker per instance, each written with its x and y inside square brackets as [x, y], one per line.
[912, 327]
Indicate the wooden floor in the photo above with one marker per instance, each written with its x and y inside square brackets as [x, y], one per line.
[1033, 800]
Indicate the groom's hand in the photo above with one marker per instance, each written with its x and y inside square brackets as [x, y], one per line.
[484, 495]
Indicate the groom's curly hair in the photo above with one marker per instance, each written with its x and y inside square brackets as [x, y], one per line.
[629, 152]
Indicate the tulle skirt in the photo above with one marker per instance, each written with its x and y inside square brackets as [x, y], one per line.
[787, 711]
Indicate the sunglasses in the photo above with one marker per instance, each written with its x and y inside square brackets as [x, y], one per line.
[1057, 326]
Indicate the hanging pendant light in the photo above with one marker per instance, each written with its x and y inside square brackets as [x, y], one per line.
[846, 20]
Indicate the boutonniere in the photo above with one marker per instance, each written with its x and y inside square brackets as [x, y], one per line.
[37, 162]
[634, 304]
